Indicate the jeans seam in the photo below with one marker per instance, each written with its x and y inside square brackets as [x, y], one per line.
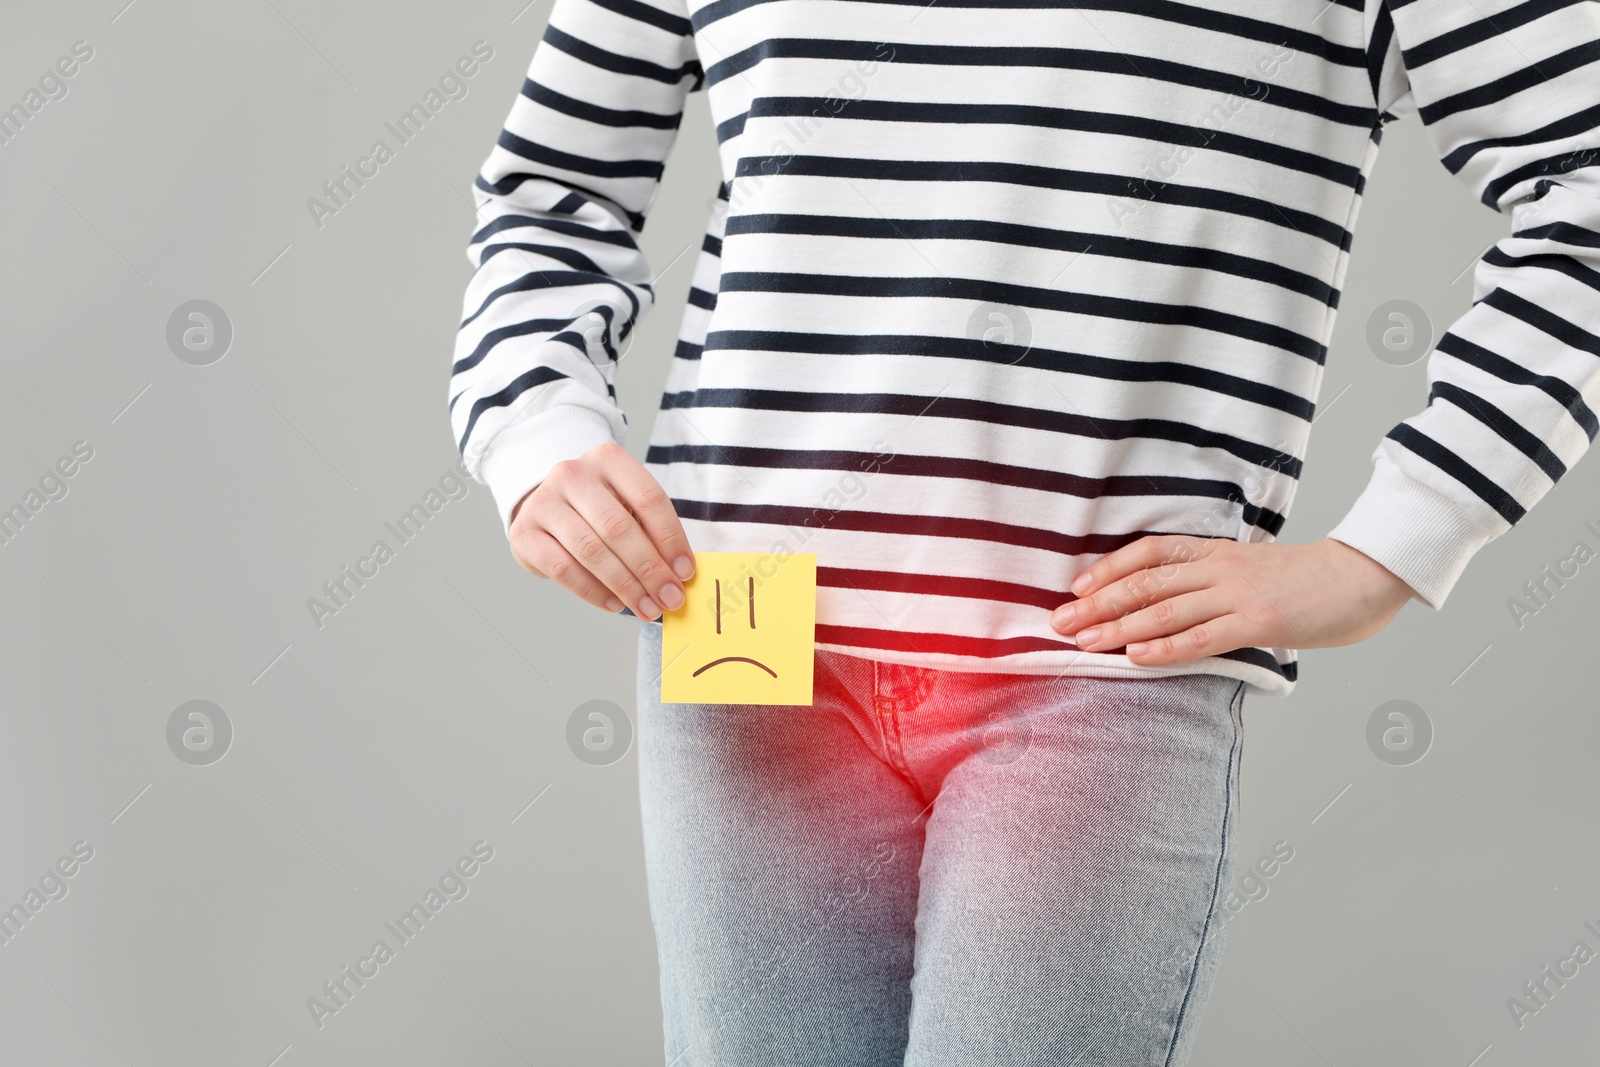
[886, 710]
[897, 758]
[1216, 879]
[876, 705]
[1237, 708]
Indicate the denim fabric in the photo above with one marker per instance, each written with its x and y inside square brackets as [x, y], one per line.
[936, 868]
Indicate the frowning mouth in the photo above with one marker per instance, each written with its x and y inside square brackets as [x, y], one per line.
[734, 659]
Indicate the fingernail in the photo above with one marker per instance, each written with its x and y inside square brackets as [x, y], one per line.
[671, 596]
[683, 567]
[1137, 647]
[1081, 583]
[1062, 619]
[613, 604]
[1088, 636]
[648, 609]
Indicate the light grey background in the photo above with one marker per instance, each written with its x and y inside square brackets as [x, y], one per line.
[369, 754]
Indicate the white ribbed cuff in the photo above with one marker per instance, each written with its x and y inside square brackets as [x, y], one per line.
[1425, 538]
[521, 455]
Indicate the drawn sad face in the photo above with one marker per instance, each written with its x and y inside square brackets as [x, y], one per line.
[745, 633]
[750, 612]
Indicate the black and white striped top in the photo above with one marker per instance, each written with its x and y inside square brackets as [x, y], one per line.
[994, 287]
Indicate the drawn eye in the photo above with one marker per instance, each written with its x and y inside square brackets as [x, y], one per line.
[751, 599]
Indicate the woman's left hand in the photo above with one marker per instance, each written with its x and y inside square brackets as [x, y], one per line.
[1174, 598]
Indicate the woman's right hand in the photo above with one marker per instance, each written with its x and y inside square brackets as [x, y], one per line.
[603, 527]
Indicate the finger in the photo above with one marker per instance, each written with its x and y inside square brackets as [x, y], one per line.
[589, 548]
[1211, 638]
[1164, 618]
[538, 551]
[1150, 551]
[652, 506]
[608, 516]
[1138, 590]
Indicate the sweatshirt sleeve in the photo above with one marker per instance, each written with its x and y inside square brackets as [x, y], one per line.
[1509, 92]
[559, 281]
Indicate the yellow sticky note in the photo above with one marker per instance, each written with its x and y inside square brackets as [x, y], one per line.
[745, 633]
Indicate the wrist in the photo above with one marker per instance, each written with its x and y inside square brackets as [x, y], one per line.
[1379, 586]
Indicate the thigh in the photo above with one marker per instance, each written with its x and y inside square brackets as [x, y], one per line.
[1070, 907]
[781, 858]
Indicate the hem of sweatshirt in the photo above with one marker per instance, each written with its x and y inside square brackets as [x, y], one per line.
[1262, 682]
[1421, 535]
[520, 456]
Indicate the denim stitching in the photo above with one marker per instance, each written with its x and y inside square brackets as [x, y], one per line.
[897, 758]
[1216, 881]
[1238, 728]
[886, 710]
[877, 708]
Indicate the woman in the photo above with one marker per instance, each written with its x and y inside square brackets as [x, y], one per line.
[1014, 313]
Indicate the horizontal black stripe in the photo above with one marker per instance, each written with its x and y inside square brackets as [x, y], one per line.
[1135, 126]
[1043, 358]
[652, 16]
[1458, 468]
[956, 528]
[869, 640]
[522, 383]
[1518, 81]
[512, 182]
[1560, 166]
[1559, 263]
[1148, 312]
[604, 116]
[1509, 430]
[1484, 29]
[989, 412]
[1568, 333]
[1006, 58]
[991, 473]
[1573, 125]
[1103, 244]
[494, 337]
[516, 329]
[955, 585]
[1113, 185]
[617, 64]
[522, 284]
[571, 257]
[1508, 370]
[559, 279]
[597, 168]
[1566, 233]
[1222, 23]
[620, 238]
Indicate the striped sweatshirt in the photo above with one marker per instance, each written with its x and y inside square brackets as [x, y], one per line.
[991, 288]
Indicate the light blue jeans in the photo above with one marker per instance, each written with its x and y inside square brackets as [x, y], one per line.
[930, 868]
